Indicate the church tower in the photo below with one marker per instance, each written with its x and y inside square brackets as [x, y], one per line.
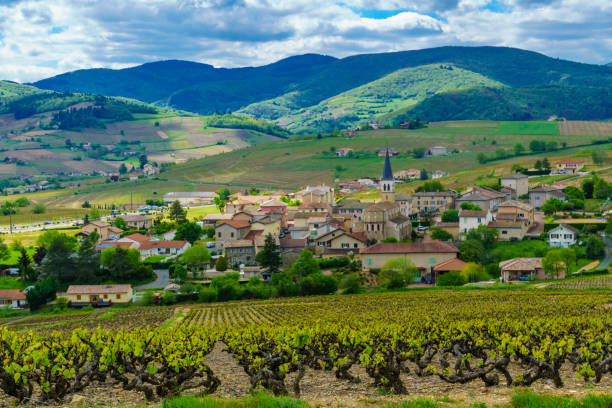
[387, 183]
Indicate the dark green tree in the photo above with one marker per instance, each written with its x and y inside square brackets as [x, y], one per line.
[177, 213]
[60, 261]
[26, 270]
[451, 215]
[221, 264]
[88, 259]
[269, 257]
[188, 231]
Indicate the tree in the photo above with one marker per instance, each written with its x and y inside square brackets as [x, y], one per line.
[553, 263]
[119, 222]
[471, 250]
[142, 160]
[487, 236]
[451, 215]
[537, 146]
[424, 175]
[26, 270]
[227, 286]
[48, 237]
[574, 193]
[451, 278]
[440, 234]
[538, 165]
[269, 257]
[594, 247]
[4, 250]
[552, 205]
[224, 194]
[123, 168]
[9, 207]
[519, 149]
[588, 186]
[351, 283]
[94, 214]
[470, 206]
[599, 157]
[42, 292]
[568, 256]
[86, 204]
[196, 256]
[39, 209]
[473, 272]
[177, 213]
[179, 273]
[88, 259]
[305, 265]
[431, 186]
[188, 231]
[39, 255]
[22, 202]
[601, 189]
[546, 164]
[481, 158]
[59, 261]
[124, 264]
[418, 152]
[221, 264]
[398, 272]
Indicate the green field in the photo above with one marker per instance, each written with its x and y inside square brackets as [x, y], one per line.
[528, 128]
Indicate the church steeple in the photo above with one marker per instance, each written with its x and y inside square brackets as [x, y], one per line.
[387, 182]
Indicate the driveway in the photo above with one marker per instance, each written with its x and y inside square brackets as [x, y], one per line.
[163, 279]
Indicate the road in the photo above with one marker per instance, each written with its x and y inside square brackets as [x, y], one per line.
[163, 279]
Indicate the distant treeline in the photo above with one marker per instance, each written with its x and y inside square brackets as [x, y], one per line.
[241, 122]
[93, 116]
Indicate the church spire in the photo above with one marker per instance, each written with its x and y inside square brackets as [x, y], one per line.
[387, 172]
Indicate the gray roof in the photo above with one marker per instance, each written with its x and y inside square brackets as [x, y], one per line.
[387, 171]
[515, 176]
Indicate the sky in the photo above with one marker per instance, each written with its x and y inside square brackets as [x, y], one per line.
[42, 38]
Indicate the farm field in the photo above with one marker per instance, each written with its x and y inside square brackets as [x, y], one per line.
[343, 350]
[591, 282]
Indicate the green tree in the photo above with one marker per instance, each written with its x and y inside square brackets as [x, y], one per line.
[545, 164]
[451, 278]
[431, 186]
[94, 214]
[22, 202]
[424, 175]
[59, 261]
[418, 152]
[4, 250]
[470, 206]
[594, 247]
[481, 158]
[48, 237]
[473, 272]
[601, 189]
[188, 231]
[599, 157]
[519, 149]
[119, 222]
[588, 186]
[471, 250]
[123, 169]
[351, 283]
[552, 205]
[451, 215]
[538, 165]
[568, 256]
[484, 234]
[179, 273]
[305, 265]
[553, 263]
[124, 264]
[440, 234]
[224, 194]
[398, 272]
[269, 257]
[221, 264]
[88, 259]
[42, 292]
[574, 193]
[26, 270]
[142, 160]
[196, 256]
[177, 213]
[39, 209]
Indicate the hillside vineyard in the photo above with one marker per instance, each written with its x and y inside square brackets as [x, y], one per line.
[494, 338]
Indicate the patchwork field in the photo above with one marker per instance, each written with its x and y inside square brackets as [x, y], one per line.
[580, 127]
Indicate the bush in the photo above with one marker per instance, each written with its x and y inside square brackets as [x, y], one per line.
[351, 284]
[227, 287]
[318, 284]
[284, 286]
[493, 270]
[168, 298]
[221, 264]
[452, 278]
[440, 234]
[474, 272]
[397, 273]
[207, 295]
[147, 299]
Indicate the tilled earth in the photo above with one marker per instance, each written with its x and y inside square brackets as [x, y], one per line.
[322, 389]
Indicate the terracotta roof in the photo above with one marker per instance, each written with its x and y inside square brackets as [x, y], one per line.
[473, 213]
[97, 289]
[454, 264]
[253, 234]
[138, 237]
[516, 203]
[218, 217]
[505, 224]
[238, 243]
[292, 243]
[12, 294]
[274, 203]
[353, 204]
[99, 223]
[238, 224]
[135, 218]
[240, 202]
[357, 236]
[162, 244]
[521, 264]
[433, 246]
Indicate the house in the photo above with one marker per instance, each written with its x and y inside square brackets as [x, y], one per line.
[273, 204]
[338, 242]
[367, 182]
[353, 208]
[524, 269]
[320, 208]
[97, 295]
[288, 244]
[425, 255]
[508, 230]
[243, 216]
[453, 264]
[410, 174]
[485, 198]
[436, 151]
[229, 230]
[136, 221]
[212, 219]
[516, 210]
[517, 182]
[539, 195]
[191, 197]
[426, 202]
[562, 236]
[101, 246]
[134, 238]
[12, 299]
[268, 224]
[450, 227]
[318, 194]
[149, 170]
[103, 229]
[240, 251]
[568, 166]
[344, 152]
[384, 220]
[154, 248]
[472, 219]
[436, 174]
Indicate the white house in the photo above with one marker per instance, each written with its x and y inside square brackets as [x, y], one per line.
[151, 248]
[563, 236]
[472, 219]
[13, 299]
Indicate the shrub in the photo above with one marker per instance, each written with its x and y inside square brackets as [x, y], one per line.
[318, 284]
[227, 286]
[474, 272]
[452, 278]
[283, 285]
[221, 264]
[208, 295]
[351, 283]
[168, 298]
[397, 273]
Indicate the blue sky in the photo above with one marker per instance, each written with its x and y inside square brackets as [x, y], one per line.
[41, 38]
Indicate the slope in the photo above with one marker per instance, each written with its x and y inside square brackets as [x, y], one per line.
[307, 80]
[398, 90]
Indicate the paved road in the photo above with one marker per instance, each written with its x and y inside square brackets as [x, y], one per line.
[163, 279]
[608, 259]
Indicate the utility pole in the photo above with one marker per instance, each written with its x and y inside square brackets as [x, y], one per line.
[11, 220]
[131, 201]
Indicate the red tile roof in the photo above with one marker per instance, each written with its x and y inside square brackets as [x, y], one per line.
[433, 246]
[162, 244]
[12, 294]
[454, 264]
[138, 237]
[97, 289]
[238, 224]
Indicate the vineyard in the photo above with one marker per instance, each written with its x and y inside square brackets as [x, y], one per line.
[592, 282]
[416, 343]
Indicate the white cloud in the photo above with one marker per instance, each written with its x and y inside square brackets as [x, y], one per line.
[40, 38]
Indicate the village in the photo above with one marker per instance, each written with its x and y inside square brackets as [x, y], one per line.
[444, 237]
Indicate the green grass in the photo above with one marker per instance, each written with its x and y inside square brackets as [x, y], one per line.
[8, 282]
[528, 128]
[258, 400]
[532, 400]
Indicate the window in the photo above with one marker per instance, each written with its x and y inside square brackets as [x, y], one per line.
[219, 234]
[479, 220]
[355, 246]
[78, 297]
[504, 232]
[345, 246]
[232, 235]
[105, 296]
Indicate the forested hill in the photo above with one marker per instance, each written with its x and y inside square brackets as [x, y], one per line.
[290, 89]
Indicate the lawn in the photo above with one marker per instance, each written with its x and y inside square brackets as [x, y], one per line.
[528, 128]
[8, 282]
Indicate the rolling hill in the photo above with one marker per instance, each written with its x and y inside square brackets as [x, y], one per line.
[290, 89]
